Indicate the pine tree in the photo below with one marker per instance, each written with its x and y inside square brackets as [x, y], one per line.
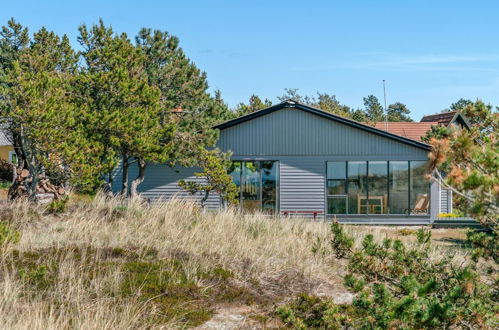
[373, 109]
[398, 112]
[255, 103]
[38, 111]
[185, 102]
[122, 109]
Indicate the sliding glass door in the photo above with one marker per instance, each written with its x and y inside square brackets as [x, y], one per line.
[251, 186]
[257, 182]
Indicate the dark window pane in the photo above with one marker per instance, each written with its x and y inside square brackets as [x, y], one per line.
[336, 205]
[336, 170]
[357, 188]
[399, 187]
[269, 186]
[420, 188]
[336, 187]
[378, 187]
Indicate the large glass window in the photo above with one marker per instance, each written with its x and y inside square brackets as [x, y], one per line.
[357, 188]
[258, 185]
[336, 188]
[399, 187]
[419, 188]
[377, 187]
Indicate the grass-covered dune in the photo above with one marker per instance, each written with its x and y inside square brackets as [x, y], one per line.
[103, 263]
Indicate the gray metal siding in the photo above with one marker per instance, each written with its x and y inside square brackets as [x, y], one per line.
[302, 142]
[299, 133]
[302, 185]
[445, 200]
[161, 183]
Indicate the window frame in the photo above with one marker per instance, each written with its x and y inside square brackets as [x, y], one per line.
[409, 207]
[260, 178]
[338, 196]
[11, 154]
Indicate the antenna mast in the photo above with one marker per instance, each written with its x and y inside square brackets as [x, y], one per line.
[386, 113]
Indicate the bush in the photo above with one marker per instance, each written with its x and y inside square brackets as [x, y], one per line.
[6, 171]
[403, 287]
[309, 312]
[57, 206]
[7, 234]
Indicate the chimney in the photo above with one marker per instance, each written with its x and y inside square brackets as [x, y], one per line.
[177, 110]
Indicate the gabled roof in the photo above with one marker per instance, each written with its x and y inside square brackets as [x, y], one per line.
[446, 118]
[410, 130]
[4, 141]
[326, 115]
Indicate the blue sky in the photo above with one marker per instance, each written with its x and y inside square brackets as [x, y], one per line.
[431, 53]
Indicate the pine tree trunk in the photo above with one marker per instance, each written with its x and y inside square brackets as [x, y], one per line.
[142, 164]
[124, 178]
[205, 198]
[108, 188]
[26, 177]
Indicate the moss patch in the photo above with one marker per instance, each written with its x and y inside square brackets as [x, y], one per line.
[168, 291]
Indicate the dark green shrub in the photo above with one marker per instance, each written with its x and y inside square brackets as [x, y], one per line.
[57, 206]
[401, 287]
[485, 245]
[7, 234]
[309, 312]
[6, 171]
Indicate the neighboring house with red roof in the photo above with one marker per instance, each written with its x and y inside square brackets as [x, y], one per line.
[447, 118]
[416, 131]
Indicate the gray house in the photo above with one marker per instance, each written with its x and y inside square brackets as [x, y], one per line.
[294, 160]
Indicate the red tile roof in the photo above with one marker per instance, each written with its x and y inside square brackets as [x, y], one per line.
[443, 119]
[414, 131]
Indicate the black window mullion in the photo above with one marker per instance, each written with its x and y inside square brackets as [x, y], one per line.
[367, 187]
[387, 211]
[261, 184]
[241, 184]
[347, 183]
[409, 187]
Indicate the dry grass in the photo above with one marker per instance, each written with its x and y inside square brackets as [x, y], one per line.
[105, 265]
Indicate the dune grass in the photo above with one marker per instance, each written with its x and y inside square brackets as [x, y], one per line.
[109, 264]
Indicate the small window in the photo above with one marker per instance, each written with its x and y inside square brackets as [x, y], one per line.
[13, 157]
